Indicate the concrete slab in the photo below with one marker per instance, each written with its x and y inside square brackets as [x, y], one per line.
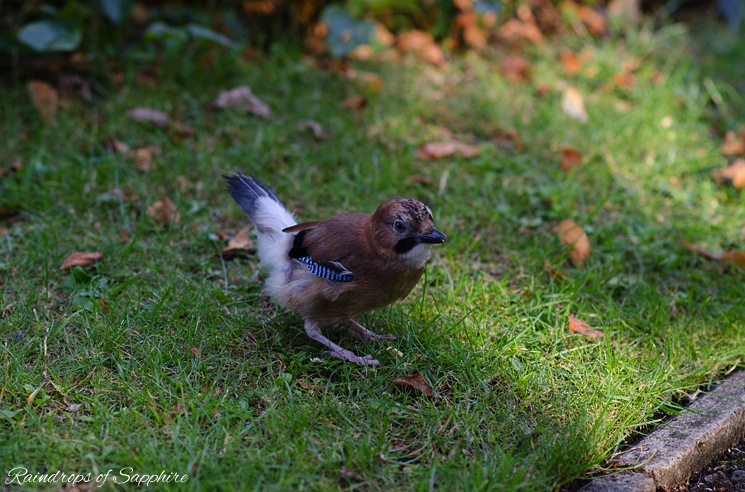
[685, 444]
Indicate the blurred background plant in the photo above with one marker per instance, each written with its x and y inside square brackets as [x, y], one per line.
[91, 35]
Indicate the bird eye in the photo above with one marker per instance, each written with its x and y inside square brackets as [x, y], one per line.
[399, 226]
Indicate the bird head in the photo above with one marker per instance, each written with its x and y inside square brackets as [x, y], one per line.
[405, 229]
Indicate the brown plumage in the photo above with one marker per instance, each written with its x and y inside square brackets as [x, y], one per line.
[332, 270]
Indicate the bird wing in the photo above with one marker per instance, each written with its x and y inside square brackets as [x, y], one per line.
[305, 245]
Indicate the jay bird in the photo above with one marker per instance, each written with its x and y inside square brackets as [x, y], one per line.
[331, 270]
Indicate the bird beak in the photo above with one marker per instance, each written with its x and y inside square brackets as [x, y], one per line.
[434, 237]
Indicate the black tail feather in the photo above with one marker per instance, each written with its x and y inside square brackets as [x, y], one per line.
[247, 190]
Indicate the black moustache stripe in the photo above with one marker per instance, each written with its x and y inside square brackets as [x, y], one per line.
[405, 245]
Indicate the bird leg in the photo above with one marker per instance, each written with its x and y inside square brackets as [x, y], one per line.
[337, 352]
[356, 330]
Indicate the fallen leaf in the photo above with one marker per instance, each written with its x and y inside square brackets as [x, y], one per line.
[45, 99]
[624, 11]
[113, 145]
[356, 103]
[422, 45]
[573, 104]
[515, 31]
[553, 272]
[507, 139]
[570, 159]
[239, 243]
[417, 383]
[515, 69]
[81, 259]
[736, 257]
[315, 128]
[159, 118]
[573, 237]
[243, 99]
[474, 34]
[371, 82]
[439, 150]
[733, 144]
[73, 85]
[307, 386]
[144, 157]
[593, 19]
[572, 63]
[105, 305]
[625, 80]
[149, 115]
[579, 326]
[735, 173]
[700, 250]
[196, 351]
[164, 212]
[422, 180]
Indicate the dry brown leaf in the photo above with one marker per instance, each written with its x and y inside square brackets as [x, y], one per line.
[733, 144]
[439, 150]
[515, 31]
[113, 145]
[507, 139]
[573, 104]
[572, 63]
[700, 250]
[422, 45]
[570, 159]
[370, 82]
[45, 99]
[307, 386]
[150, 115]
[515, 69]
[161, 119]
[579, 326]
[417, 383]
[625, 10]
[196, 351]
[576, 241]
[422, 180]
[474, 34]
[315, 128]
[735, 173]
[625, 80]
[238, 244]
[144, 157]
[736, 257]
[164, 212]
[81, 259]
[241, 98]
[356, 103]
[553, 272]
[593, 19]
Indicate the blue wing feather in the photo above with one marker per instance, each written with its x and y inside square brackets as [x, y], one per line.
[330, 270]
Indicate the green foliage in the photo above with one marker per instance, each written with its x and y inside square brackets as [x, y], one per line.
[51, 35]
[344, 32]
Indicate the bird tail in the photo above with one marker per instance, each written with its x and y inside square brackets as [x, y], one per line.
[268, 215]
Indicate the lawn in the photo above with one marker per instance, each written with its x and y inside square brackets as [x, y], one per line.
[165, 357]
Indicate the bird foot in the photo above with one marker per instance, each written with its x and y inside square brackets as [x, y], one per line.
[349, 356]
[356, 330]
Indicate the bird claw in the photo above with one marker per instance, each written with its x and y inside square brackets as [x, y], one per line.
[356, 330]
[348, 356]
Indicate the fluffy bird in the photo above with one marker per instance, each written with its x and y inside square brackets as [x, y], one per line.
[331, 270]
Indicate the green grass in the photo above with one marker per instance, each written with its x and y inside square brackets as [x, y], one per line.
[522, 404]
